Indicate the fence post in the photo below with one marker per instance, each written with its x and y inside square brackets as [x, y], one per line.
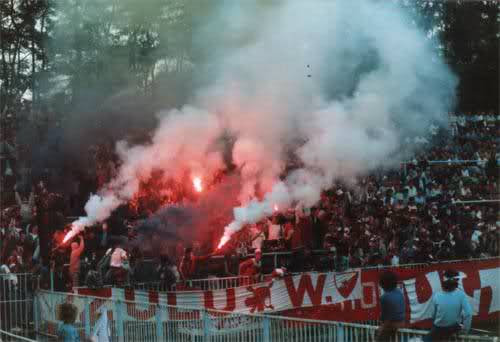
[86, 310]
[266, 329]
[206, 325]
[51, 279]
[159, 324]
[340, 332]
[119, 320]
[36, 316]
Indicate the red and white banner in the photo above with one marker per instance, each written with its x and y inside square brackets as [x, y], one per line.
[349, 296]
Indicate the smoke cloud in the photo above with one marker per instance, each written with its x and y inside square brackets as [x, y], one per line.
[340, 85]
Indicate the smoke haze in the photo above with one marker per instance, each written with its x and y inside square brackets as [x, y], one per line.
[338, 84]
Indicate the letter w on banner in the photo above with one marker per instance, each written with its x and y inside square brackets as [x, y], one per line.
[318, 289]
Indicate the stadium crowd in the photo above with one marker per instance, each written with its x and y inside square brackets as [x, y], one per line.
[434, 207]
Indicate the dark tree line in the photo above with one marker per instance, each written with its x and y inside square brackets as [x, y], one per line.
[471, 39]
[63, 54]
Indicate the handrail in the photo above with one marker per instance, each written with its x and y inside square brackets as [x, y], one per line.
[216, 283]
[14, 336]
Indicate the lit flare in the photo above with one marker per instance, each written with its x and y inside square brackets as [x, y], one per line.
[197, 184]
[223, 241]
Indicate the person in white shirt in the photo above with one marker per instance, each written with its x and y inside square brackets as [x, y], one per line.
[274, 230]
[25, 207]
[118, 257]
[258, 236]
[451, 310]
[117, 271]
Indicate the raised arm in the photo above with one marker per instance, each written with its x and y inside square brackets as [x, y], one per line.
[18, 199]
[81, 246]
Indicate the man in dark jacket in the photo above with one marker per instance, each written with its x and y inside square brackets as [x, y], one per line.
[392, 307]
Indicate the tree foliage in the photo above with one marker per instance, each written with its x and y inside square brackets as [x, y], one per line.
[70, 53]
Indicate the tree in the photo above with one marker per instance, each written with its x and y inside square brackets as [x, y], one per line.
[471, 48]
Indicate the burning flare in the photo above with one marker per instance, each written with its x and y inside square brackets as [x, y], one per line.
[223, 241]
[68, 236]
[75, 230]
[197, 184]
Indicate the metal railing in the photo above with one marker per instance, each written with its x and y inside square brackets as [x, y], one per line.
[16, 302]
[138, 321]
[218, 283]
[10, 337]
[227, 282]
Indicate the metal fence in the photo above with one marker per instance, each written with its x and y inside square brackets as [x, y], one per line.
[6, 336]
[161, 322]
[218, 283]
[16, 302]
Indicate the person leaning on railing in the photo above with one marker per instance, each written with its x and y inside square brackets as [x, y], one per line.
[392, 307]
[451, 310]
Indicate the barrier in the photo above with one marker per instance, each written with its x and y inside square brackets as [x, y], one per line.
[162, 322]
[7, 336]
[217, 283]
[16, 301]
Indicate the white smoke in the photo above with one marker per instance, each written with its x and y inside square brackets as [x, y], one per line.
[350, 79]
[339, 84]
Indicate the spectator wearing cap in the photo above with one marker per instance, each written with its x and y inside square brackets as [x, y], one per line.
[392, 307]
[451, 311]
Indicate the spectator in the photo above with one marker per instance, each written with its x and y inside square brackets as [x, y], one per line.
[392, 306]
[74, 261]
[167, 273]
[451, 310]
[190, 263]
[25, 207]
[67, 331]
[118, 273]
[252, 266]
[258, 236]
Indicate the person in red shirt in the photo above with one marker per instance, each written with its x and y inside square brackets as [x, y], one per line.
[251, 267]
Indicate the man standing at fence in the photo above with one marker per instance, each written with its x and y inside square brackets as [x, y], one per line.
[451, 310]
[392, 307]
[74, 260]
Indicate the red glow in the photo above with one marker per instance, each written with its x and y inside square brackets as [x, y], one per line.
[276, 207]
[197, 184]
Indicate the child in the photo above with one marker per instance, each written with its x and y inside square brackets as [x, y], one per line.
[67, 331]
